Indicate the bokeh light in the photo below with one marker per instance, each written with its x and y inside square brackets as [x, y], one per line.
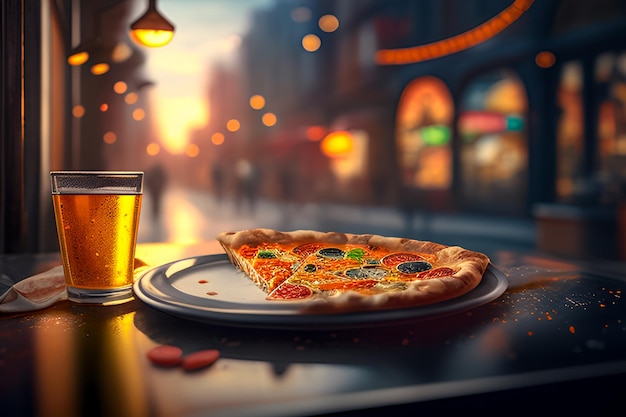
[301, 14]
[139, 114]
[257, 102]
[315, 133]
[121, 52]
[109, 138]
[545, 59]
[233, 125]
[153, 149]
[328, 23]
[269, 119]
[311, 42]
[100, 69]
[217, 138]
[78, 58]
[192, 150]
[120, 87]
[337, 144]
[131, 98]
[78, 111]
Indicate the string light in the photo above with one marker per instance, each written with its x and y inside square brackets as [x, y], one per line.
[456, 43]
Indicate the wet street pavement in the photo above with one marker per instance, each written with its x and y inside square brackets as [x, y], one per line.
[190, 216]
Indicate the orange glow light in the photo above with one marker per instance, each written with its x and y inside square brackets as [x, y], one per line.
[233, 125]
[152, 38]
[104, 107]
[311, 42]
[152, 29]
[131, 98]
[328, 23]
[257, 102]
[78, 111]
[78, 58]
[121, 52]
[153, 149]
[99, 69]
[457, 43]
[545, 59]
[337, 144]
[269, 119]
[217, 138]
[109, 138]
[192, 150]
[120, 87]
[315, 133]
[139, 114]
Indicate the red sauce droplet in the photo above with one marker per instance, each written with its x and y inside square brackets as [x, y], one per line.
[200, 359]
[165, 355]
[202, 281]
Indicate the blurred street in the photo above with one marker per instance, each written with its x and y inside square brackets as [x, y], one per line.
[191, 216]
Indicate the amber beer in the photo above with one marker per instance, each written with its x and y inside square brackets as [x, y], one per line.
[97, 219]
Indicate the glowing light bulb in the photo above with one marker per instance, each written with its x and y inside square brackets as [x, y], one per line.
[152, 29]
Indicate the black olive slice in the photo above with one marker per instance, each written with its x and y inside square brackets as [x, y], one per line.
[367, 272]
[413, 267]
[334, 253]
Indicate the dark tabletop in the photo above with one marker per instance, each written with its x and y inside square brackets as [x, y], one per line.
[555, 341]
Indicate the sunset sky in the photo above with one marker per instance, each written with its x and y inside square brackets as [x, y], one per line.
[206, 31]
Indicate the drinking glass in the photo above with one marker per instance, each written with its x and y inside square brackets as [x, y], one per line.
[97, 219]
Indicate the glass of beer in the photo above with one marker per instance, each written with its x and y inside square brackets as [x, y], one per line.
[97, 219]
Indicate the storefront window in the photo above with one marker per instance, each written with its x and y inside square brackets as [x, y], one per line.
[424, 130]
[493, 144]
[569, 132]
[610, 73]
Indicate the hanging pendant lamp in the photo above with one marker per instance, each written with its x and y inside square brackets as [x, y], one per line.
[152, 29]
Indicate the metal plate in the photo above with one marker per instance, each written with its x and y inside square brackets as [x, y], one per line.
[210, 289]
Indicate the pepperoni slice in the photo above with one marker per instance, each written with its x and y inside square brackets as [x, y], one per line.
[394, 259]
[306, 249]
[248, 252]
[290, 291]
[436, 273]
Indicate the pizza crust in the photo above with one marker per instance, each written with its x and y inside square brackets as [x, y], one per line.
[254, 237]
[469, 266]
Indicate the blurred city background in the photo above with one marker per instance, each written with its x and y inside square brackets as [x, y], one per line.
[487, 123]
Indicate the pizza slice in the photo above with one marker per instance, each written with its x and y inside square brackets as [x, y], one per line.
[342, 271]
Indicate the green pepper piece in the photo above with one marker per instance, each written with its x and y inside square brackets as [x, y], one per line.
[266, 254]
[356, 254]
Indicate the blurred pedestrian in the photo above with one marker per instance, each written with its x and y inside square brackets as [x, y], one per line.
[217, 181]
[156, 181]
[248, 179]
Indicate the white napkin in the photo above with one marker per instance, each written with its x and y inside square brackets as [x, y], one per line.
[43, 290]
[36, 292]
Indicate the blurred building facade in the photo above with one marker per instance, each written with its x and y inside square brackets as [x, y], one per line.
[527, 124]
[533, 115]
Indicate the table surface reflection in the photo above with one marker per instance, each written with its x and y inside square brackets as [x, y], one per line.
[555, 340]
